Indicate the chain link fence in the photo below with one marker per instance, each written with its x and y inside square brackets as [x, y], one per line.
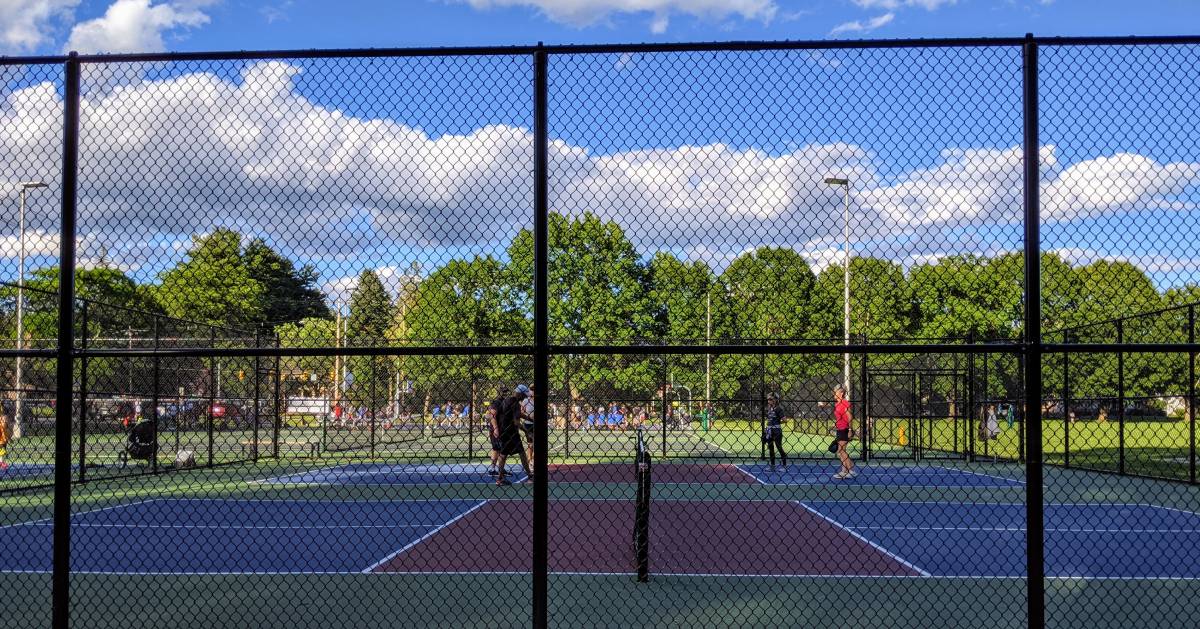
[372, 338]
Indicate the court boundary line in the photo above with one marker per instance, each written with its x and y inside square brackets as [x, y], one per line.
[898, 558]
[186, 527]
[955, 469]
[50, 520]
[752, 476]
[829, 482]
[282, 480]
[864, 577]
[424, 537]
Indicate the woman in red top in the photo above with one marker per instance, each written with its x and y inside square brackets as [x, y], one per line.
[842, 423]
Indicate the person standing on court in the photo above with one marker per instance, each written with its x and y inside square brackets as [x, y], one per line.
[493, 414]
[842, 427]
[773, 431]
[507, 424]
[527, 424]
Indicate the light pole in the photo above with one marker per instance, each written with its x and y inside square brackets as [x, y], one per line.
[25, 186]
[845, 184]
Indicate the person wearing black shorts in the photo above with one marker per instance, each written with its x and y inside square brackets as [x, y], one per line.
[506, 423]
[494, 434]
[773, 431]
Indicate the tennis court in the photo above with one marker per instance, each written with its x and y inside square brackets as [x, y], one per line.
[487, 529]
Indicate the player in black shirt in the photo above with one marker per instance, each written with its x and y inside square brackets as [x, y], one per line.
[506, 423]
[773, 430]
[493, 434]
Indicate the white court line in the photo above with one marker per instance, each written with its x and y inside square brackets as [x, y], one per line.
[50, 520]
[450, 573]
[217, 527]
[424, 537]
[747, 473]
[955, 469]
[283, 479]
[865, 540]
[1016, 529]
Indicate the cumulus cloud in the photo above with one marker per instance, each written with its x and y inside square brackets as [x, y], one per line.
[396, 280]
[165, 159]
[136, 26]
[587, 12]
[858, 26]
[27, 24]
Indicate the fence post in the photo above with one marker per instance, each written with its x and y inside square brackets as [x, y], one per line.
[1191, 401]
[257, 391]
[212, 393]
[541, 334]
[865, 392]
[83, 387]
[372, 393]
[1035, 551]
[666, 402]
[1120, 399]
[278, 401]
[155, 367]
[1066, 404]
[971, 424]
[64, 369]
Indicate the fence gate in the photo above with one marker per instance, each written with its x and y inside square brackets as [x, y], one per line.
[918, 414]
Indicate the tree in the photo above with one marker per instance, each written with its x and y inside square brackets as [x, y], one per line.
[213, 285]
[289, 294]
[880, 301]
[370, 317]
[597, 295]
[312, 332]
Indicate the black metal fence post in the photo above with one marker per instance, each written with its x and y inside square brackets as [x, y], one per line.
[83, 387]
[1120, 399]
[61, 559]
[278, 423]
[1066, 404]
[373, 391]
[1191, 401]
[1035, 550]
[155, 367]
[541, 340]
[257, 392]
[666, 402]
[971, 410]
[864, 392]
[212, 394]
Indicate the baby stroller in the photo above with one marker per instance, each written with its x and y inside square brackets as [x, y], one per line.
[140, 444]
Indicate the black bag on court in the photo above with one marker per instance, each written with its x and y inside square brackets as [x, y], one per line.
[833, 446]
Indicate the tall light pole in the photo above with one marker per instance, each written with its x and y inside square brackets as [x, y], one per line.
[25, 187]
[845, 184]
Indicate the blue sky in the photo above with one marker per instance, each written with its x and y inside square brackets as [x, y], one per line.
[702, 155]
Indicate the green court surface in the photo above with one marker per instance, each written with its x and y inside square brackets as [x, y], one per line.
[456, 598]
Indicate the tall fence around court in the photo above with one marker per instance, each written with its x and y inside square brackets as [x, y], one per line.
[653, 239]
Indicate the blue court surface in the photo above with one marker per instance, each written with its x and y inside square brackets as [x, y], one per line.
[988, 540]
[890, 476]
[27, 470]
[235, 536]
[397, 474]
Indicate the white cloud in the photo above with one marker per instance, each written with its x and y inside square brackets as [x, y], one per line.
[169, 158]
[857, 26]
[892, 5]
[587, 12]
[27, 24]
[136, 26]
[395, 279]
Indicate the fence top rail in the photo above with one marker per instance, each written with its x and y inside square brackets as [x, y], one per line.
[526, 49]
[1130, 317]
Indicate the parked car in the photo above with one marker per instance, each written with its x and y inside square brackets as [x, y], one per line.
[229, 416]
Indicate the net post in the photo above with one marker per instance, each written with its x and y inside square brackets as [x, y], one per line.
[541, 334]
[1035, 555]
[83, 387]
[64, 396]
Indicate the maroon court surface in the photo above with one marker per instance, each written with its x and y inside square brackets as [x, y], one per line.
[669, 473]
[686, 537]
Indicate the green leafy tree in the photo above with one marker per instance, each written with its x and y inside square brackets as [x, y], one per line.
[289, 294]
[312, 332]
[213, 285]
[371, 315]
